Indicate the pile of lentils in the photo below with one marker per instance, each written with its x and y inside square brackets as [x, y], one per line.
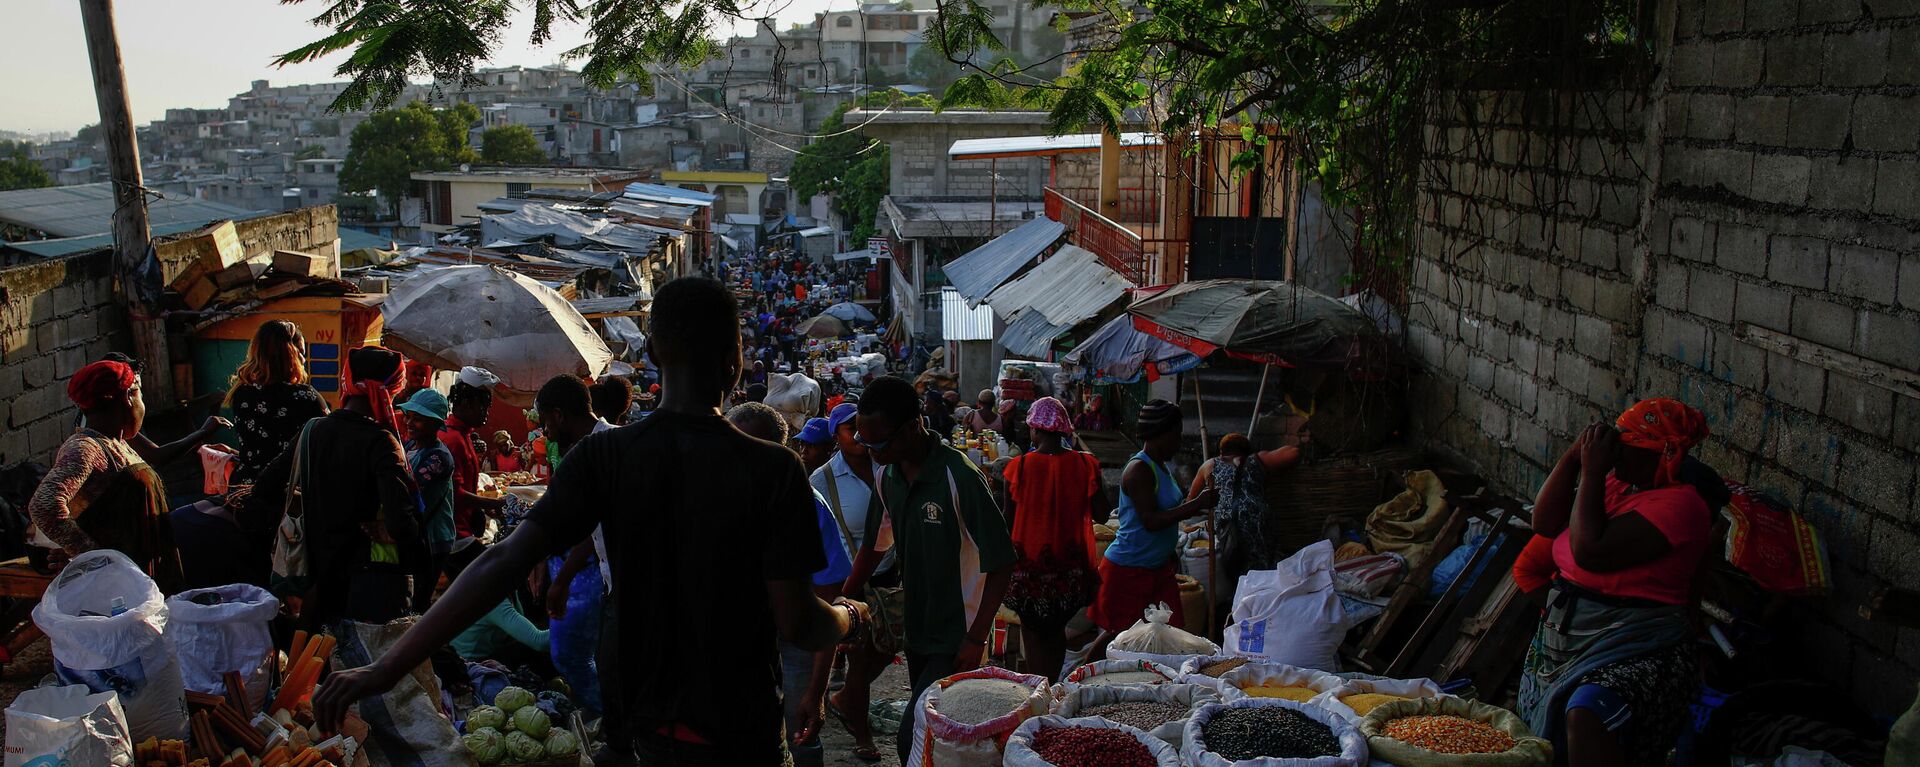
[1143, 714]
[973, 701]
[1251, 733]
[1445, 734]
[1221, 667]
[1124, 677]
[1091, 747]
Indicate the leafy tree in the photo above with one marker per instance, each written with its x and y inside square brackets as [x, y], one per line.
[88, 135]
[511, 145]
[18, 170]
[310, 152]
[929, 66]
[850, 166]
[391, 145]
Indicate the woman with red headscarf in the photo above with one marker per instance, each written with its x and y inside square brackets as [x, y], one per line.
[1611, 668]
[99, 493]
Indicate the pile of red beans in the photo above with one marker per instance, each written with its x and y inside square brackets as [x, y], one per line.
[1091, 747]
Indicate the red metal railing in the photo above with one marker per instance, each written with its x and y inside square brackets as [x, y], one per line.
[1116, 245]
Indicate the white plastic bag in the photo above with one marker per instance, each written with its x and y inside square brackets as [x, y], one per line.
[1194, 752]
[1152, 638]
[53, 726]
[1020, 751]
[1404, 688]
[129, 653]
[1192, 697]
[232, 635]
[1290, 614]
[1233, 684]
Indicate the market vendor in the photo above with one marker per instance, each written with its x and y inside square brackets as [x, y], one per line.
[99, 493]
[503, 634]
[1138, 569]
[472, 398]
[1612, 668]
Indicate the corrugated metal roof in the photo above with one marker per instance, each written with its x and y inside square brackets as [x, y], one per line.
[983, 269]
[671, 195]
[73, 211]
[354, 239]
[959, 322]
[1042, 146]
[1070, 287]
[1031, 335]
[67, 246]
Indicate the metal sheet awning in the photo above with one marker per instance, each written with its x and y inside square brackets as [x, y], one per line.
[861, 253]
[985, 268]
[959, 322]
[1070, 287]
[1042, 146]
[670, 195]
[1031, 335]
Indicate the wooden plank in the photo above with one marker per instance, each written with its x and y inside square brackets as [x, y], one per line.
[1448, 599]
[1410, 590]
[1893, 379]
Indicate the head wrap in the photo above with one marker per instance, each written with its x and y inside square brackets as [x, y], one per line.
[501, 437]
[374, 372]
[1049, 414]
[1665, 426]
[478, 378]
[98, 381]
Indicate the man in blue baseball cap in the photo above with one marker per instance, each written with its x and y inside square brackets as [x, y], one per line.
[816, 444]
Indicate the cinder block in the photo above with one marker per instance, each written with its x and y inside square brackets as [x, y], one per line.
[1798, 261]
[1794, 60]
[1780, 178]
[1576, 287]
[11, 383]
[1691, 238]
[1730, 168]
[1910, 282]
[1896, 188]
[1796, 383]
[1904, 66]
[1710, 295]
[1869, 274]
[1592, 336]
[38, 370]
[1841, 183]
[1887, 338]
[1830, 11]
[1725, 16]
[1877, 478]
[1762, 305]
[1761, 120]
[1861, 405]
[1737, 63]
[1670, 287]
[1614, 301]
[1600, 248]
[1677, 336]
[1818, 121]
[1823, 322]
[1855, 59]
[1771, 14]
[1523, 353]
[1710, 116]
[1886, 123]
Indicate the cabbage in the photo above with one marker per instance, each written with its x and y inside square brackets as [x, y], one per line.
[486, 744]
[511, 699]
[487, 717]
[521, 747]
[562, 743]
[532, 721]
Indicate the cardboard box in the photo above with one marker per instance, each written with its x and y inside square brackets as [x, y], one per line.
[235, 276]
[194, 273]
[295, 263]
[199, 294]
[217, 248]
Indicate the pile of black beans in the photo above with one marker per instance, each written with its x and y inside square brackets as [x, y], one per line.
[1273, 731]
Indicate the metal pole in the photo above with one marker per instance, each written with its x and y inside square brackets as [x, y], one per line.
[1213, 536]
[1254, 419]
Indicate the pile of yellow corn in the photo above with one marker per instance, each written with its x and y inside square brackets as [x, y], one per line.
[1449, 735]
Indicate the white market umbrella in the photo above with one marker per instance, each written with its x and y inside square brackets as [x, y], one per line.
[490, 317]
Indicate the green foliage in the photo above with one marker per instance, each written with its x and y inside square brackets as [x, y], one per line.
[88, 135]
[391, 145]
[929, 67]
[511, 145]
[310, 152]
[18, 170]
[849, 165]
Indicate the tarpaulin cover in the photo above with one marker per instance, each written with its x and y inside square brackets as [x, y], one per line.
[851, 312]
[1118, 353]
[1262, 320]
[489, 317]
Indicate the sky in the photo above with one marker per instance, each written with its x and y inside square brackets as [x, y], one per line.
[197, 53]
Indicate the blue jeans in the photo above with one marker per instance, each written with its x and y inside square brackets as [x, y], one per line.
[575, 639]
[796, 672]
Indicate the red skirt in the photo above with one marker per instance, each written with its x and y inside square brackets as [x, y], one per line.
[1125, 593]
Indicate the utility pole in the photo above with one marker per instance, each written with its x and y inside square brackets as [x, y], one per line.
[131, 234]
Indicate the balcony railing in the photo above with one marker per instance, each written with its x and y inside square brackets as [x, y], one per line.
[1119, 247]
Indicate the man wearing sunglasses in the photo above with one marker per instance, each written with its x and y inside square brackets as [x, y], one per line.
[954, 551]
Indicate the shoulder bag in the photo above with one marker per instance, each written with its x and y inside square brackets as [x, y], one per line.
[290, 567]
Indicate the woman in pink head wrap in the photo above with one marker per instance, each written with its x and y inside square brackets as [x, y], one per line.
[1054, 496]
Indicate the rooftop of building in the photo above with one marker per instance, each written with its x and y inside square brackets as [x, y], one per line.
[525, 171]
[83, 209]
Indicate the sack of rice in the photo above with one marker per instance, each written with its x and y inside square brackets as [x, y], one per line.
[963, 720]
[1114, 673]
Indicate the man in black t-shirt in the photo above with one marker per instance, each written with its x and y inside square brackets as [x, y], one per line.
[697, 678]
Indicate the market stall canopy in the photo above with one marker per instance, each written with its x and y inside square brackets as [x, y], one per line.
[1070, 287]
[985, 268]
[851, 312]
[1119, 353]
[850, 255]
[823, 326]
[1266, 321]
[493, 318]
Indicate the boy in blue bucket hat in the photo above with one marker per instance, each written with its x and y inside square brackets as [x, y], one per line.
[430, 464]
[816, 444]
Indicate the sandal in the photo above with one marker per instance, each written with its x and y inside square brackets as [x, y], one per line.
[865, 753]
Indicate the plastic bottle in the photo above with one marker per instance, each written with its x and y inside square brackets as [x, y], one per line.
[119, 606]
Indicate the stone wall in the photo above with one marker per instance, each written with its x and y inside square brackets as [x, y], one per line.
[1740, 229]
[55, 317]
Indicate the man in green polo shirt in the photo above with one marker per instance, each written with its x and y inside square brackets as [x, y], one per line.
[955, 555]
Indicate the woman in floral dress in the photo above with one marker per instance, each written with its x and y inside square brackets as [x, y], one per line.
[270, 397]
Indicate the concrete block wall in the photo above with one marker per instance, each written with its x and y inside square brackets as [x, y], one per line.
[55, 317]
[1579, 253]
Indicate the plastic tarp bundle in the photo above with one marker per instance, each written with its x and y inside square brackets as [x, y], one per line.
[128, 653]
[1020, 751]
[231, 635]
[1290, 614]
[944, 742]
[493, 318]
[71, 725]
[1528, 749]
[1262, 320]
[1194, 751]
